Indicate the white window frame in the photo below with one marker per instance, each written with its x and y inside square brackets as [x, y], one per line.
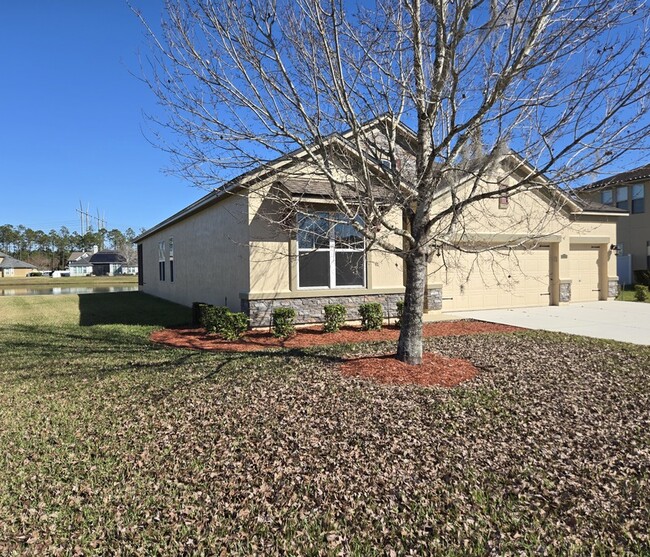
[333, 219]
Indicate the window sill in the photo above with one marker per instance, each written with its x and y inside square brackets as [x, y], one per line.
[319, 293]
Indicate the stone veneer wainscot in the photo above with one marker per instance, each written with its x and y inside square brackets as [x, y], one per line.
[310, 309]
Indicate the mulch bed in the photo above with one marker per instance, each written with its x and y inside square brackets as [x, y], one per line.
[435, 369]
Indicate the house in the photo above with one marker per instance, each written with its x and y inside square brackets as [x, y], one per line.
[626, 192]
[111, 263]
[12, 267]
[229, 248]
[79, 263]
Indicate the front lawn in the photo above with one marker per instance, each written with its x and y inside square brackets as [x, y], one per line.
[113, 445]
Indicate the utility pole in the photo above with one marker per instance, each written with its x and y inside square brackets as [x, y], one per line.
[86, 219]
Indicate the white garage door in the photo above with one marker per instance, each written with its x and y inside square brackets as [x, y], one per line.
[514, 278]
[583, 272]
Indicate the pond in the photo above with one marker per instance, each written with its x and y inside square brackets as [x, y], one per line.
[57, 290]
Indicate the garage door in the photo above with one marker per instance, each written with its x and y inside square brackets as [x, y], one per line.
[514, 278]
[583, 272]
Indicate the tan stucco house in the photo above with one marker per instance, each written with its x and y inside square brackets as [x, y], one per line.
[533, 248]
[626, 192]
[12, 267]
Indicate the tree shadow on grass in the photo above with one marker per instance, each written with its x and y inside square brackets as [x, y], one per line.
[130, 308]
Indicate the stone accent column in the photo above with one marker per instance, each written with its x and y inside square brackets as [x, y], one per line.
[612, 287]
[434, 297]
[565, 291]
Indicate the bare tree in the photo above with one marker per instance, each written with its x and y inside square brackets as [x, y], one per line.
[562, 83]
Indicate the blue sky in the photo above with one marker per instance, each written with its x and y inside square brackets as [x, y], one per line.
[71, 117]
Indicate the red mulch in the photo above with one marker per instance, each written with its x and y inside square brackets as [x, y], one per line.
[198, 339]
[435, 369]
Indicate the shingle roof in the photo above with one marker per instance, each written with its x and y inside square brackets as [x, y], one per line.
[595, 207]
[635, 175]
[320, 187]
[75, 255]
[107, 256]
[9, 262]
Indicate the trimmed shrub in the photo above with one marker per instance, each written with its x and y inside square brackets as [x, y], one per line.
[233, 325]
[400, 312]
[641, 293]
[216, 318]
[372, 316]
[203, 314]
[283, 322]
[334, 317]
[220, 320]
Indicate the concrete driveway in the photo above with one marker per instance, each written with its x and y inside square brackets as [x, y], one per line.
[624, 321]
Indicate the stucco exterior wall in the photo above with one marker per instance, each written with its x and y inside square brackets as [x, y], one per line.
[540, 240]
[274, 272]
[273, 255]
[14, 272]
[211, 262]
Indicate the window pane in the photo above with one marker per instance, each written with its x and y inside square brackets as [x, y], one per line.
[606, 197]
[349, 269]
[313, 232]
[347, 237]
[314, 269]
[638, 201]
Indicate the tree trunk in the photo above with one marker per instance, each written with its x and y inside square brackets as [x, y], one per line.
[409, 348]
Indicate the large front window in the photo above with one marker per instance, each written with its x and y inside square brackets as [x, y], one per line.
[331, 252]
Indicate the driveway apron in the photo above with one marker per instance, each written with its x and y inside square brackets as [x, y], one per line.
[623, 321]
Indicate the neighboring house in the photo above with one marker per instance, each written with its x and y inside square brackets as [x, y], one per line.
[627, 192]
[12, 267]
[109, 263]
[79, 263]
[227, 249]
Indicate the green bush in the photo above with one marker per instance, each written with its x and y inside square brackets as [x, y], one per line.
[216, 318]
[334, 317]
[220, 320]
[283, 322]
[400, 312]
[641, 293]
[372, 316]
[233, 325]
[203, 311]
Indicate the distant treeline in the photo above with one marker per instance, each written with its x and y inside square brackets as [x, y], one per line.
[51, 250]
